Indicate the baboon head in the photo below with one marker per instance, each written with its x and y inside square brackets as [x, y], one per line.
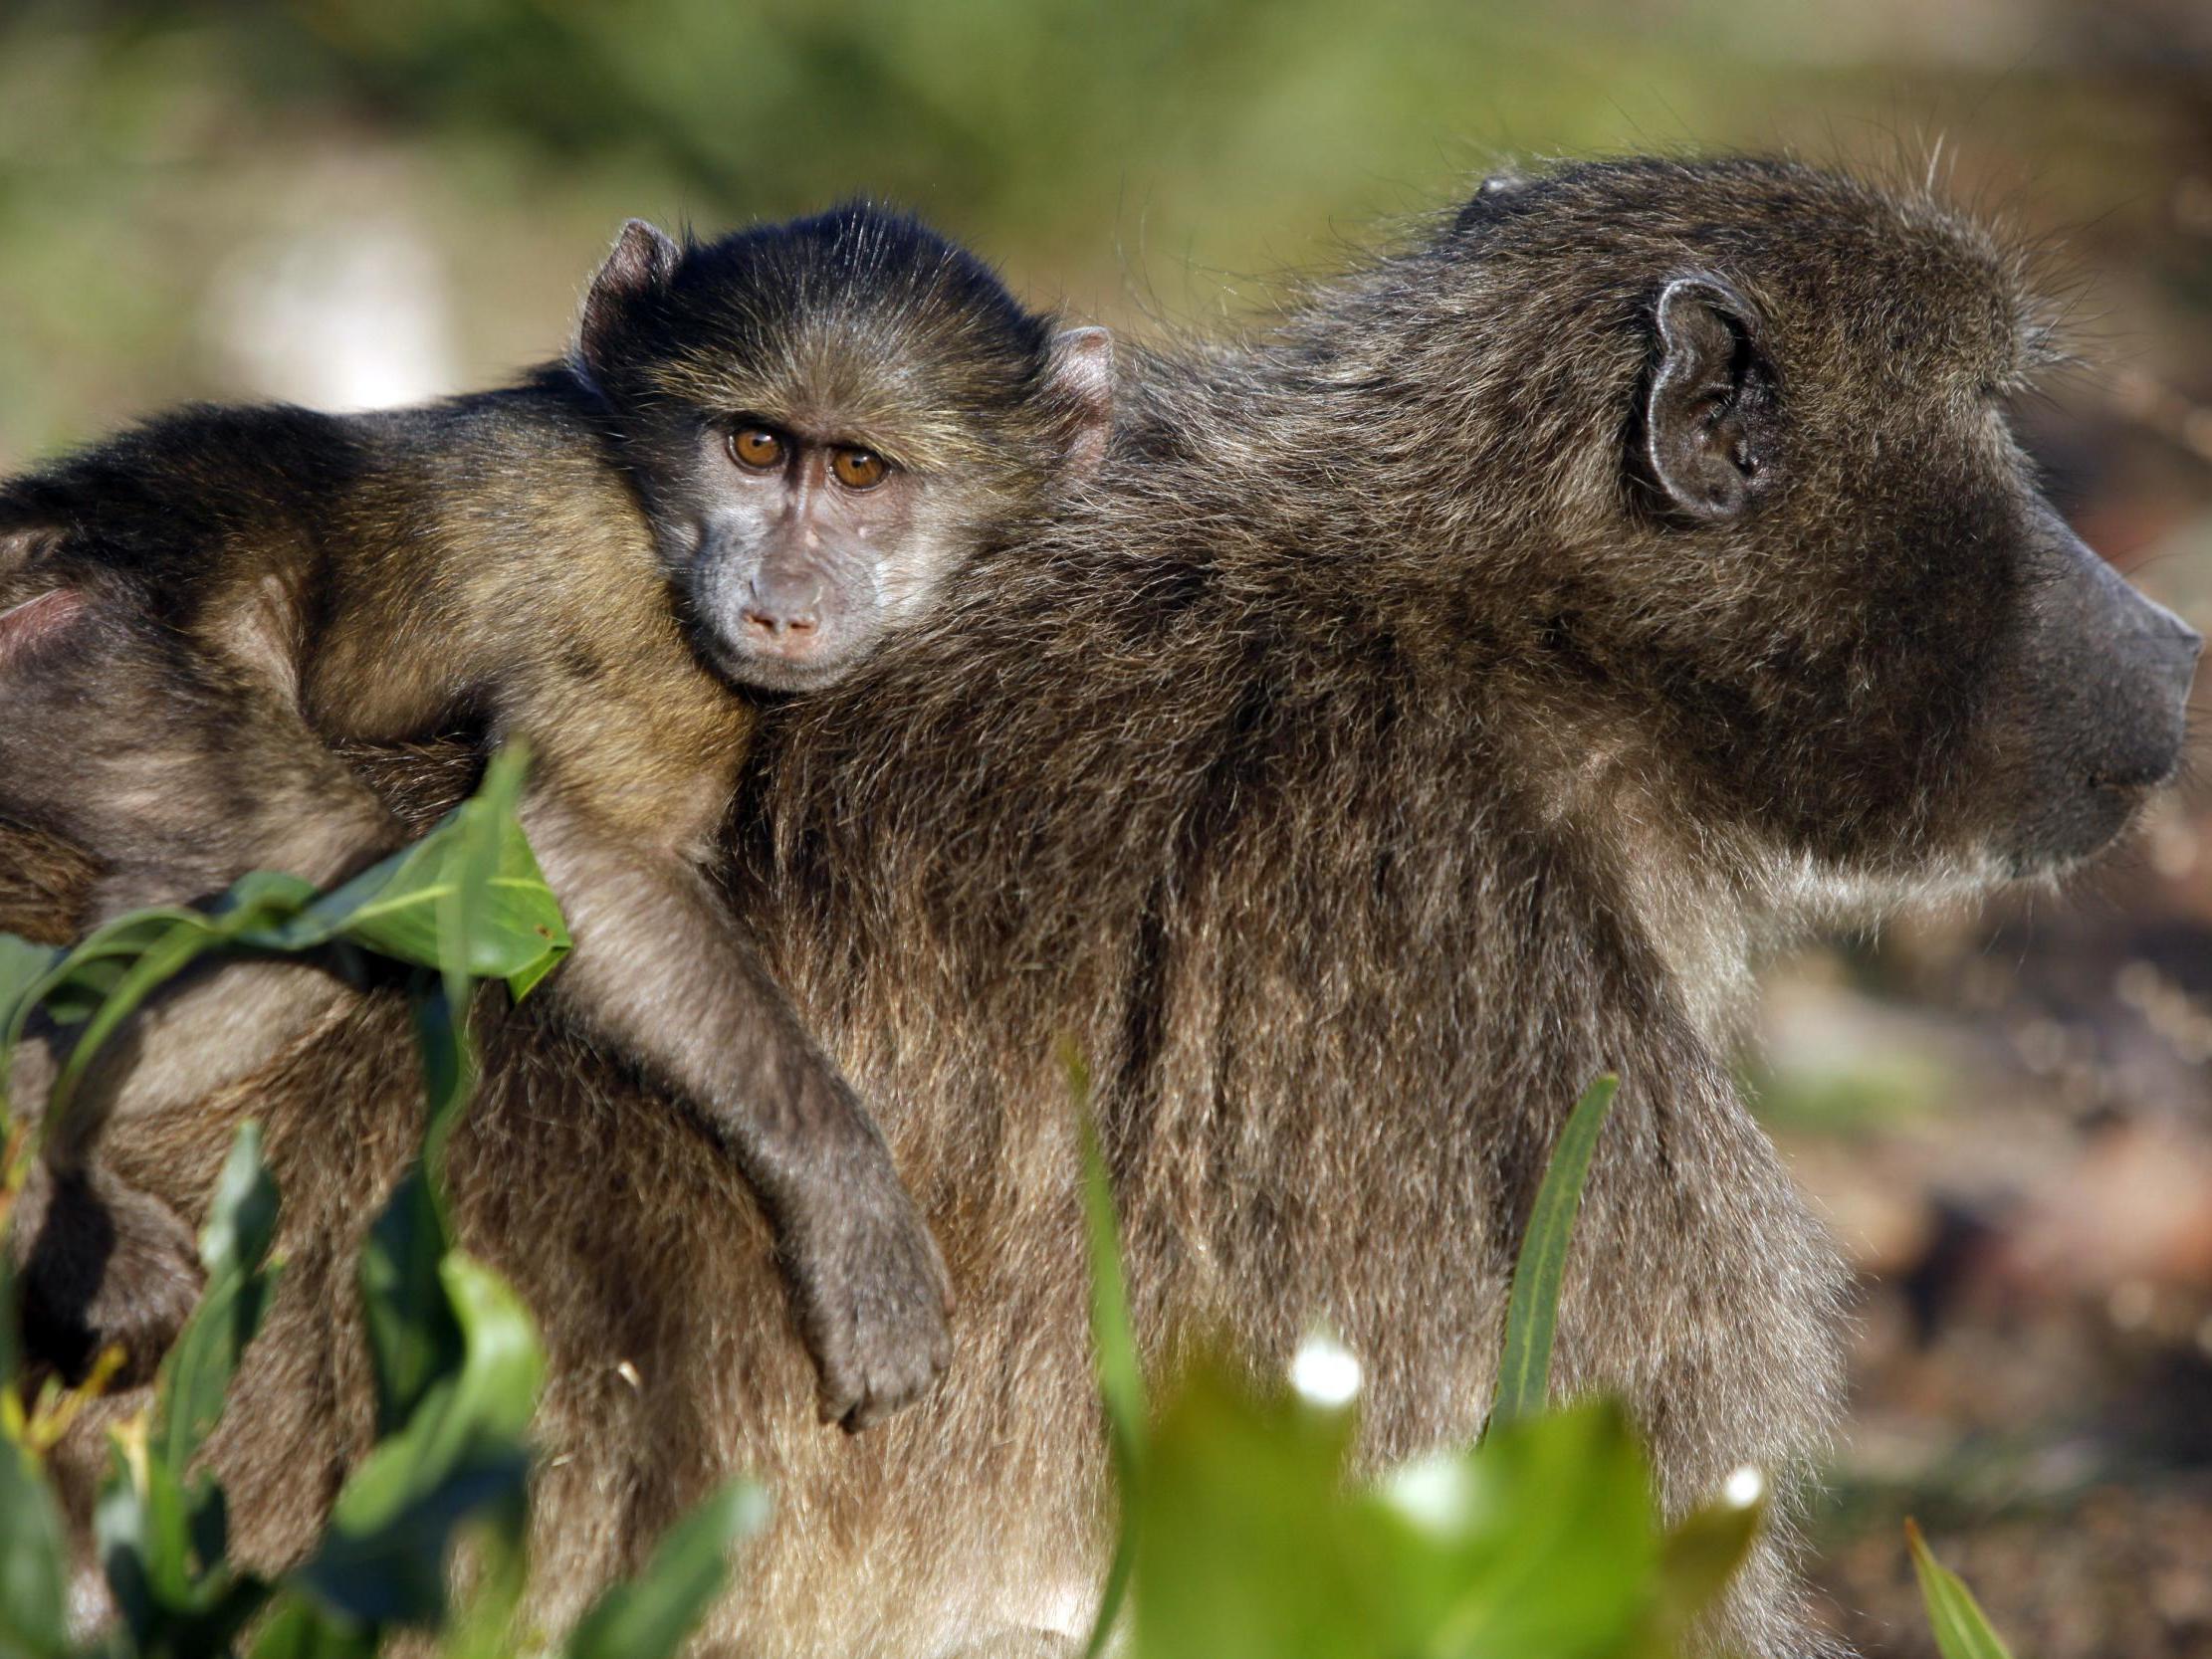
[1794, 546]
[824, 419]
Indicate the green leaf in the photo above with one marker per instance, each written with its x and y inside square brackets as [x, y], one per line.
[1961, 1629]
[21, 965]
[414, 1336]
[1120, 1382]
[99, 983]
[650, 1617]
[1243, 1544]
[1543, 1540]
[1532, 1313]
[144, 1538]
[1700, 1555]
[234, 1247]
[468, 898]
[459, 1456]
[151, 949]
[34, 1559]
[488, 1623]
[448, 1070]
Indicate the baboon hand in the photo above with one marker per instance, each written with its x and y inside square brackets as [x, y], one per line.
[874, 1303]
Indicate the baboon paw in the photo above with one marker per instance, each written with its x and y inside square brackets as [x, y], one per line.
[876, 1307]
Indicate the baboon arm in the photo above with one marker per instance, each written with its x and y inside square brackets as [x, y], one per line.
[661, 968]
[661, 971]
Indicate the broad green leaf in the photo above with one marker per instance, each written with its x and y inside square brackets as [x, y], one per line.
[459, 1456]
[1532, 1313]
[22, 966]
[1543, 1540]
[468, 898]
[1961, 1629]
[1120, 1382]
[1243, 1544]
[234, 1247]
[394, 1572]
[34, 1559]
[242, 1216]
[144, 1533]
[650, 1617]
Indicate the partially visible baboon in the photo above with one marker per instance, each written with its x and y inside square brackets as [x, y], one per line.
[1438, 702]
[766, 453]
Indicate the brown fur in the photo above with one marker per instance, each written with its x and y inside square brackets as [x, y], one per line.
[1370, 760]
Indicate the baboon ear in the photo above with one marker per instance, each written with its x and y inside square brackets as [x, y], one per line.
[644, 259]
[1494, 198]
[1082, 376]
[1708, 416]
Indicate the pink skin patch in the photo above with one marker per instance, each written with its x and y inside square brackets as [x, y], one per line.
[26, 627]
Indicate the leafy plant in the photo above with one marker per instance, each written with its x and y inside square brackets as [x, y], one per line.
[455, 1358]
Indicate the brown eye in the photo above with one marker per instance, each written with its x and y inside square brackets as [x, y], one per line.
[859, 469]
[757, 448]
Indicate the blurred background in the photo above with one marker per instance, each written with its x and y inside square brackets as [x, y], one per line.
[2006, 1115]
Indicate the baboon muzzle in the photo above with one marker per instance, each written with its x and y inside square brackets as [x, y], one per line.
[2105, 703]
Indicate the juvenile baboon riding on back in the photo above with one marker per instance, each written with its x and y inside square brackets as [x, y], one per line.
[764, 453]
[1439, 697]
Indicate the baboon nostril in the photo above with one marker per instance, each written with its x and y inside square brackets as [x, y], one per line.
[770, 622]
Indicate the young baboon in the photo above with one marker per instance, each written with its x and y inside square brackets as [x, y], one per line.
[764, 453]
[1461, 681]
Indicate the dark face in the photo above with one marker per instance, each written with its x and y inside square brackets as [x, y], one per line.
[1912, 664]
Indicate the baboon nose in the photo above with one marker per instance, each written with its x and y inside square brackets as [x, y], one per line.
[781, 608]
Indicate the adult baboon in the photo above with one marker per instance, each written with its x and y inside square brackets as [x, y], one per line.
[1438, 700]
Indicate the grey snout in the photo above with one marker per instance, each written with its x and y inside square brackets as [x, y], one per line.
[2095, 710]
[2141, 688]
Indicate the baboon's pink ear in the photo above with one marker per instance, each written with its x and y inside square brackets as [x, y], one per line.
[644, 259]
[1083, 384]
